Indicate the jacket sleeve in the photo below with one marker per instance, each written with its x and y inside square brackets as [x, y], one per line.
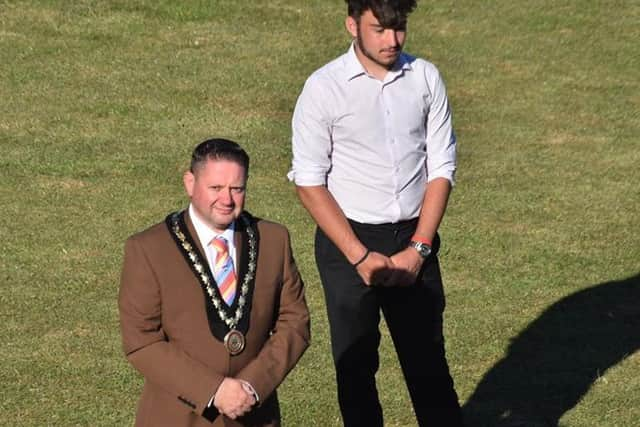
[145, 344]
[290, 336]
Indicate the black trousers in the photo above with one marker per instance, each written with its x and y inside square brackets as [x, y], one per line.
[414, 318]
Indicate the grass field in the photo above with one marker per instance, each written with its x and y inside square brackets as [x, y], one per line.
[101, 103]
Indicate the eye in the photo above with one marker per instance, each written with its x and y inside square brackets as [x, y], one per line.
[237, 190]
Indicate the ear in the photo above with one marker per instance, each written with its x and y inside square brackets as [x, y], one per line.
[189, 180]
[352, 26]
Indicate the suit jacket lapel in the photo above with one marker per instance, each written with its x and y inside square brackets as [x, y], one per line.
[194, 235]
[241, 239]
[242, 253]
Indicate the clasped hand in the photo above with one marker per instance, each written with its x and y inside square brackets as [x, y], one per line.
[233, 398]
[400, 269]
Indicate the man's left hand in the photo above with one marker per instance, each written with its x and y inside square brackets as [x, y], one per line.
[233, 399]
[406, 265]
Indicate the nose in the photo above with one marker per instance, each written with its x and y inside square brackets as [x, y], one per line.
[392, 37]
[225, 196]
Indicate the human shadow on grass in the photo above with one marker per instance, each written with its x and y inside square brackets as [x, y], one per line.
[556, 359]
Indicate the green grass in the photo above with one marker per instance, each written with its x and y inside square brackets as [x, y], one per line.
[102, 102]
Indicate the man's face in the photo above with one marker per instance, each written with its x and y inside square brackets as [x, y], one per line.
[380, 46]
[217, 191]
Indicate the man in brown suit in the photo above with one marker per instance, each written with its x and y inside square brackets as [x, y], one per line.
[213, 328]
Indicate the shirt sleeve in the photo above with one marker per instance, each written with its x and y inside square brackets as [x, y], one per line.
[441, 139]
[311, 137]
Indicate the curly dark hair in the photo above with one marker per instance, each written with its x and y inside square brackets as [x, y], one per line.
[390, 13]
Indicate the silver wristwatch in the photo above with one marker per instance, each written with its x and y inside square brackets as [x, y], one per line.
[423, 249]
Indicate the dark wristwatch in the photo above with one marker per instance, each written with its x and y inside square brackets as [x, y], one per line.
[423, 249]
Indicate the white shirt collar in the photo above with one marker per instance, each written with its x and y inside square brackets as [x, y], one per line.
[355, 68]
[206, 234]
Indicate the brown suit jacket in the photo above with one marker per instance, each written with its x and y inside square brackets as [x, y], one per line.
[167, 333]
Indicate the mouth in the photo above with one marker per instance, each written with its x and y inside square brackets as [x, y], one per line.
[225, 211]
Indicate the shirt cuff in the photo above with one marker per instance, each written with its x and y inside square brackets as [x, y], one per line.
[307, 179]
[249, 389]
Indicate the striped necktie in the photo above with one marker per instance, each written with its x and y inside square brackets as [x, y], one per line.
[223, 270]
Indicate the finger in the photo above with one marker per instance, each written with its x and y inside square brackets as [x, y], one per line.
[366, 279]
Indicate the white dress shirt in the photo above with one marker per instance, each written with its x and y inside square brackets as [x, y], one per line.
[374, 144]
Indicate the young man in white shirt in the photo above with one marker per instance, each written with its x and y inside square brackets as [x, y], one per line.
[373, 162]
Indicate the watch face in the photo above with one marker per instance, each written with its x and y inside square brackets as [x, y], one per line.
[423, 250]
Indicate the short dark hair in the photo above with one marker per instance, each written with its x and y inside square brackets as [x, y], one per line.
[219, 149]
[390, 13]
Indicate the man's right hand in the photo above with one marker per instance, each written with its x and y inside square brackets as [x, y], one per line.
[232, 399]
[376, 269]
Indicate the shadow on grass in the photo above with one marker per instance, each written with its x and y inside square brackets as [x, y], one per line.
[557, 358]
